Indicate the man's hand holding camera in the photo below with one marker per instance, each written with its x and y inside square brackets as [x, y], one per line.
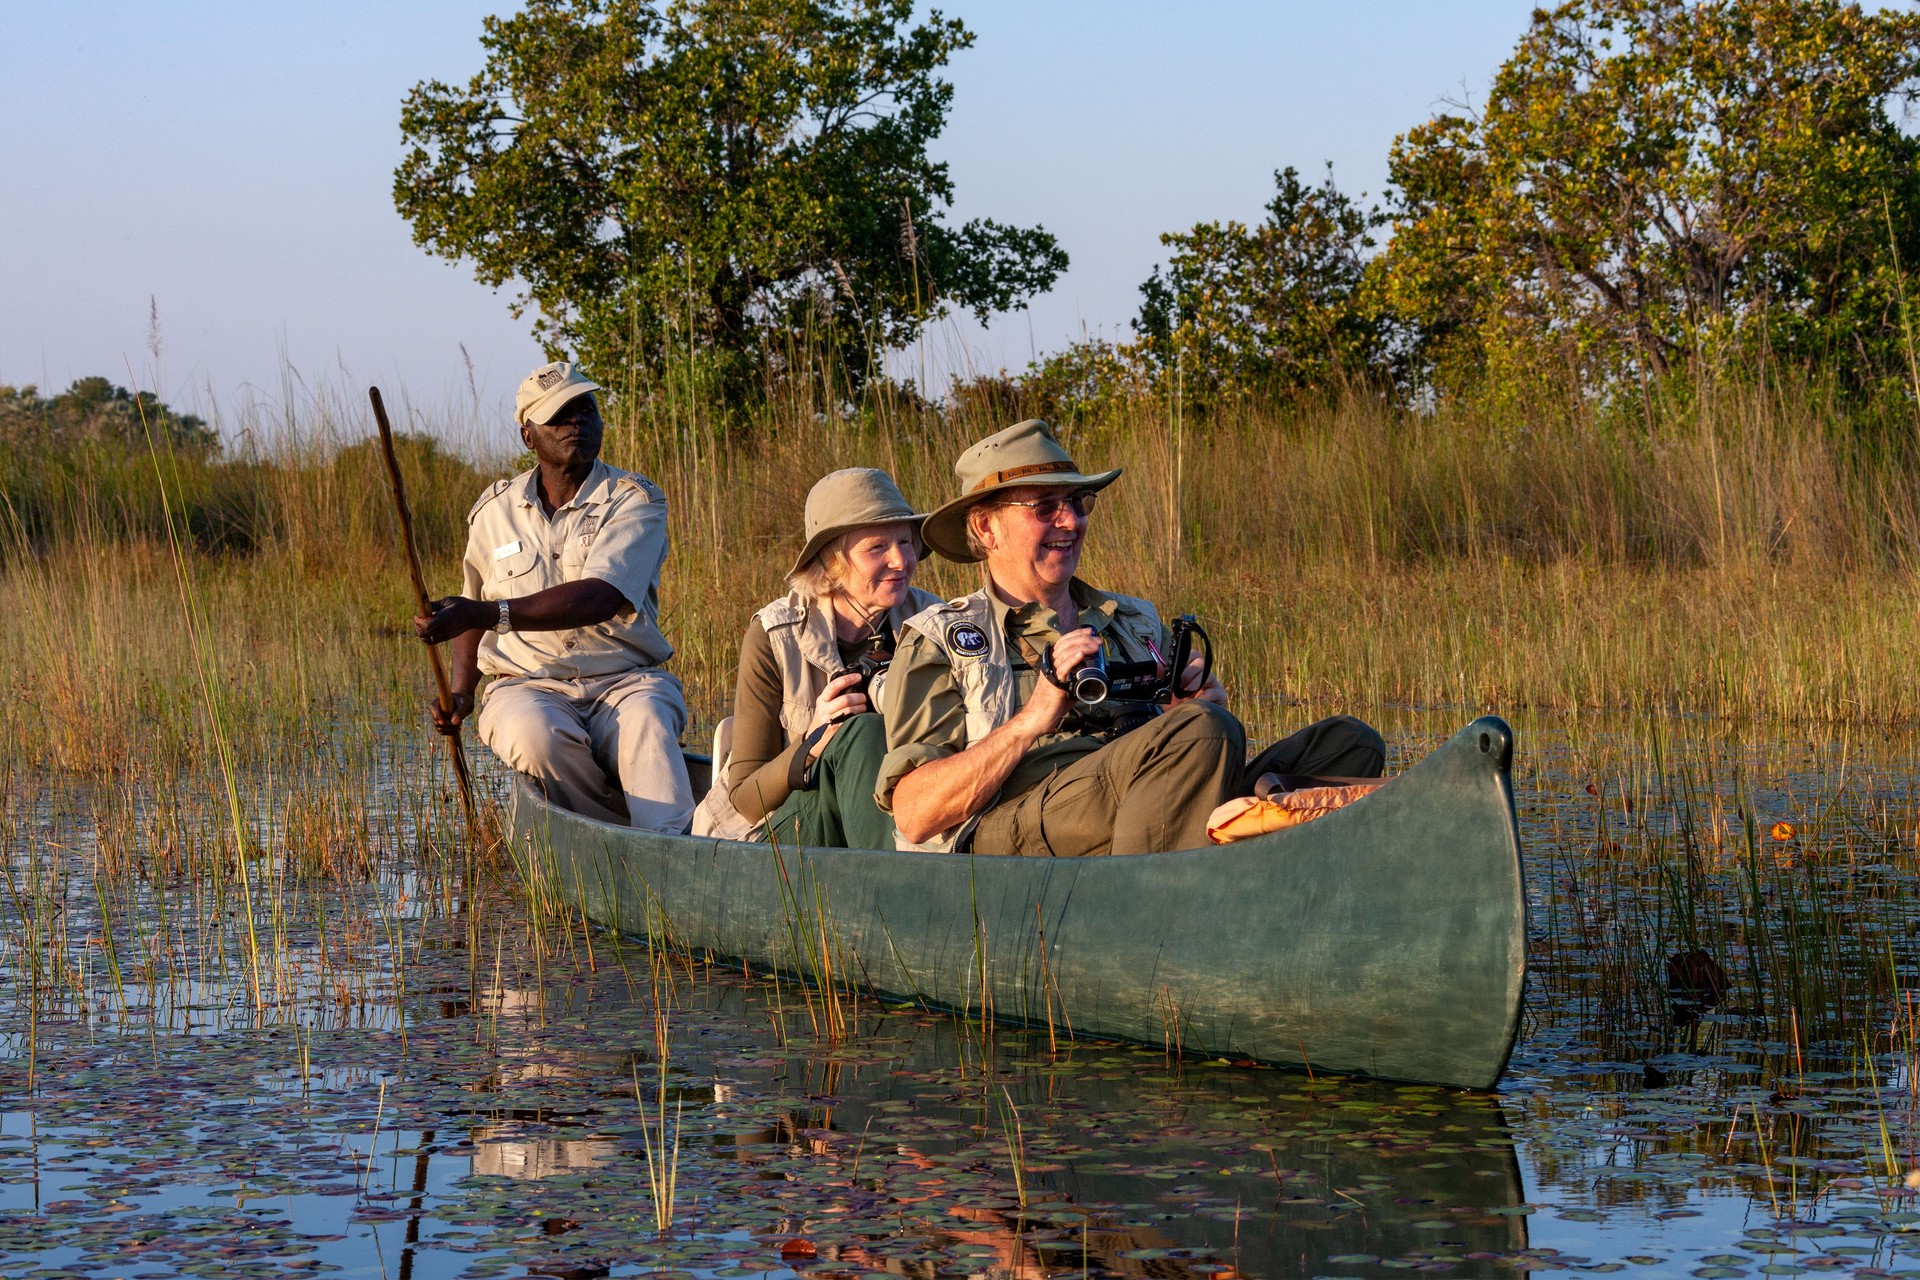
[1052, 699]
[1209, 687]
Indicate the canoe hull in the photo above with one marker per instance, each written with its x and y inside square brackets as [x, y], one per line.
[1386, 939]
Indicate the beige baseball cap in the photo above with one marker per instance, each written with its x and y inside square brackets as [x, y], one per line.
[852, 499]
[546, 389]
[1023, 454]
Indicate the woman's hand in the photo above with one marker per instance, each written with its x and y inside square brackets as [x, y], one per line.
[836, 702]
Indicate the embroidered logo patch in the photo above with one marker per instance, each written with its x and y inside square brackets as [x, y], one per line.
[966, 639]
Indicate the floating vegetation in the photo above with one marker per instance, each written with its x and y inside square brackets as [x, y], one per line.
[1717, 1075]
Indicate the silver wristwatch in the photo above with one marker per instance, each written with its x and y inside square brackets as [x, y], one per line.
[506, 622]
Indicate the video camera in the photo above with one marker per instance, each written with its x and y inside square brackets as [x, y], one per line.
[1096, 680]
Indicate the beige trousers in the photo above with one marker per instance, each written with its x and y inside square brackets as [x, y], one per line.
[604, 746]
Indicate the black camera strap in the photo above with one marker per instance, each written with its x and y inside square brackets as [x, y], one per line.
[1041, 662]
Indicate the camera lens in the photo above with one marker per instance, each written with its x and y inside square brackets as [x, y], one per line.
[1089, 686]
[1089, 680]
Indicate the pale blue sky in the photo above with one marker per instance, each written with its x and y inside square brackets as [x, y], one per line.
[233, 161]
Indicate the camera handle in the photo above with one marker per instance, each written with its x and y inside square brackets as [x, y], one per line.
[1185, 627]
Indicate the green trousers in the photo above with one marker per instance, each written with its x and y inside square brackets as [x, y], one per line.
[838, 812]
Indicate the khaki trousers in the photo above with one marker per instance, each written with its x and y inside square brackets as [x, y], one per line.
[1337, 747]
[1154, 788]
[604, 746]
[1148, 790]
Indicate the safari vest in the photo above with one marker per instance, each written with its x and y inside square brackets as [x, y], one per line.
[807, 654]
[969, 633]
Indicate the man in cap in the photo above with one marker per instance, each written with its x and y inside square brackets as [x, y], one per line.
[561, 607]
[987, 749]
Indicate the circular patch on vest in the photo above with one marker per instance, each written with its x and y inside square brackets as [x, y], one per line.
[966, 639]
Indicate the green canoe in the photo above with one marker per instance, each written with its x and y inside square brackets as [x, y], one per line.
[1386, 939]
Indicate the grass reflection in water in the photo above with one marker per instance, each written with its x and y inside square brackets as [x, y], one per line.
[1717, 1072]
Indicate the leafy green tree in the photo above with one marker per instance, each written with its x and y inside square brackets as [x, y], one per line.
[743, 181]
[1654, 181]
[93, 411]
[1084, 381]
[1276, 307]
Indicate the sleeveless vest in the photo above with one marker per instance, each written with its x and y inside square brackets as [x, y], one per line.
[988, 687]
[807, 654]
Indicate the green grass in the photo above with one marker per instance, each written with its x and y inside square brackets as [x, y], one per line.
[1748, 557]
[1743, 561]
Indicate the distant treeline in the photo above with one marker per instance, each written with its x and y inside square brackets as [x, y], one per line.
[100, 462]
[93, 411]
[1652, 189]
[1748, 473]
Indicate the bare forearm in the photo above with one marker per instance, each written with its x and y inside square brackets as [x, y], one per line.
[944, 793]
[569, 605]
[563, 608]
[465, 651]
[448, 715]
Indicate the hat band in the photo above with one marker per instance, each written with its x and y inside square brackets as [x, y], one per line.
[1016, 473]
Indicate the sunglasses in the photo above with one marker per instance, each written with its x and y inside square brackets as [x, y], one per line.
[1047, 510]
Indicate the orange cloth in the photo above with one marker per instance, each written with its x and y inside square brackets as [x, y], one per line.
[1247, 816]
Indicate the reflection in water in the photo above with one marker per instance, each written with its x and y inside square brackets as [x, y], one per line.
[1723, 932]
[536, 1158]
[1129, 1165]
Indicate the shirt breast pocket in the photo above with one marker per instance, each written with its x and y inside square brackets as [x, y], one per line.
[512, 576]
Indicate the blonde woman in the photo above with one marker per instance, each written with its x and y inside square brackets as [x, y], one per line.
[796, 760]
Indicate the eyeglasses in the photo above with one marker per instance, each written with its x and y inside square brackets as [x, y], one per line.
[1047, 510]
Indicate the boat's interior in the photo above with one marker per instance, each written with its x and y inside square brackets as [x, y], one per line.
[699, 771]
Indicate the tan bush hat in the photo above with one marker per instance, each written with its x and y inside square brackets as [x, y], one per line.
[1024, 454]
[546, 389]
[852, 499]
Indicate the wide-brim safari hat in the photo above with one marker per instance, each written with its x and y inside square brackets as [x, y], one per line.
[1024, 454]
[546, 389]
[855, 498]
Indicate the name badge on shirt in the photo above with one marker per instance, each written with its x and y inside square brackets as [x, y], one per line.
[511, 549]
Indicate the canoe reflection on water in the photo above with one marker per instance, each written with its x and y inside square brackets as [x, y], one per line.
[1134, 1165]
[923, 1145]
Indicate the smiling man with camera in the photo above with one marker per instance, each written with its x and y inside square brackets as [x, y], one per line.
[988, 747]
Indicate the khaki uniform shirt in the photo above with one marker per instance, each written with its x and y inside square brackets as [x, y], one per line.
[926, 714]
[614, 529]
